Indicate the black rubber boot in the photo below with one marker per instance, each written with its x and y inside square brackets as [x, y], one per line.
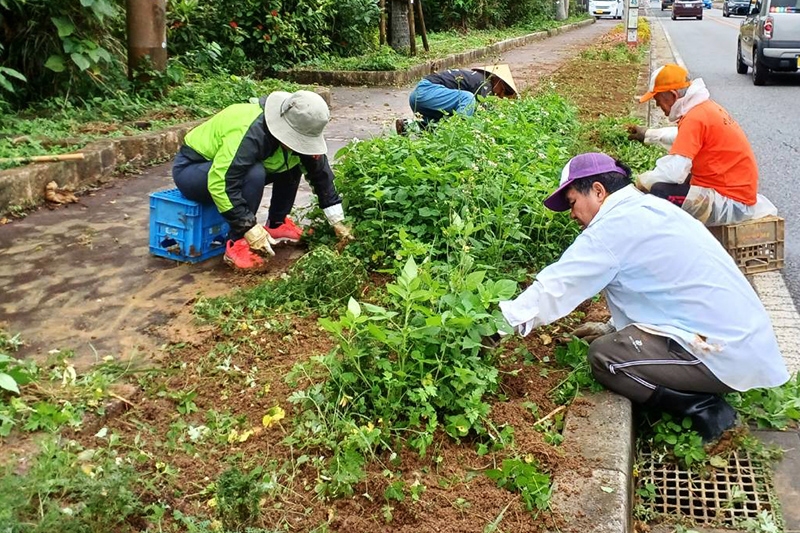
[711, 415]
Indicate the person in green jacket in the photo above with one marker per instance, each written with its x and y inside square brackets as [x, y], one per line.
[230, 158]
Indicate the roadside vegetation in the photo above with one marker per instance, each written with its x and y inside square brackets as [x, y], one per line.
[442, 44]
[360, 389]
[56, 126]
[64, 81]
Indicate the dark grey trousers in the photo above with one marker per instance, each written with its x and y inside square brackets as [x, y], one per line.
[632, 362]
[190, 173]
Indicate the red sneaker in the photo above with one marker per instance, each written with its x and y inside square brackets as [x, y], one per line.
[286, 232]
[238, 255]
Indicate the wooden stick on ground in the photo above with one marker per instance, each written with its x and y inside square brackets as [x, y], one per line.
[412, 35]
[422, 26]
[550, 414]
[43, 158]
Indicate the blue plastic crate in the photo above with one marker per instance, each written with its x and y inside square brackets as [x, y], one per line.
[184, 230]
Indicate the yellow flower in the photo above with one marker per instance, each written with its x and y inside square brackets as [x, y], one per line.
[275, 414]
[211, 503]
[345, 399]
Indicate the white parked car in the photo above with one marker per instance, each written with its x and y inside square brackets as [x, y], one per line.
[606, 8]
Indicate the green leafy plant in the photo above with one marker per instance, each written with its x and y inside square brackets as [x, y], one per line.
[774, 408]
[14, 372]
[237, 497]
[7, 75]
[678, 438]
[523, 476]
[491, 170]
[185, 402]
[610, 135]
[408, 368]
[319, 281]
[574, 355]
[71, 488]
[765, 523]
[73, 45]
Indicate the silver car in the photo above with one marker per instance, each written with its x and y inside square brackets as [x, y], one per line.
[769, 39]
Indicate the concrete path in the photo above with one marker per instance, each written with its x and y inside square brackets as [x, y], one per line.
[81, 277]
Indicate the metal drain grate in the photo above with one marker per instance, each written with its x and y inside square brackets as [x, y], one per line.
[724, 497]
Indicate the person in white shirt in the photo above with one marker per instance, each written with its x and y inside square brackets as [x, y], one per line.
[686, 325]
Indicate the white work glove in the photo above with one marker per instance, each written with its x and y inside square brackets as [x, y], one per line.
[260, 240]
[636, 133]
[592, 330]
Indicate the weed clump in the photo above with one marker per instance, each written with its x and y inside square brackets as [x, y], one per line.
[491, 170]
[320, 281]
[238, 494]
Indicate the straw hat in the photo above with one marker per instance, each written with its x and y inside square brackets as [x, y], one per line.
[501, 71]
[297, 120]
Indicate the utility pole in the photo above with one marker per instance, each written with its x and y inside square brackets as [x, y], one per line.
[632, 22]
[147, 34]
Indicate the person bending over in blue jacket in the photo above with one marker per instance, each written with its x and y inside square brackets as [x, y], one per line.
[456, 92]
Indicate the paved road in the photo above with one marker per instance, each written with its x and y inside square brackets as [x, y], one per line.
[769, 115]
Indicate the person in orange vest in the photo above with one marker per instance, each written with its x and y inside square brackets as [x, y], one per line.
[710, 170]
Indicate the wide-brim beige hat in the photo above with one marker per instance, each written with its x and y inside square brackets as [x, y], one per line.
[503, 72]
[297, 120]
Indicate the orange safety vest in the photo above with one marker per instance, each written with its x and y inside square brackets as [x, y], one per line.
[722, 158]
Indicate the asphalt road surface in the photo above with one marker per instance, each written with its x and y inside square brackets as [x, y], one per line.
[769, 115]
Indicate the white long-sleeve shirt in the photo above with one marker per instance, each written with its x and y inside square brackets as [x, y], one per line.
[662, 271]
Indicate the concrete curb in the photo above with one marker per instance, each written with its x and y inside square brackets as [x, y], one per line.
[24, 186]
[600, 429]
[404, 77]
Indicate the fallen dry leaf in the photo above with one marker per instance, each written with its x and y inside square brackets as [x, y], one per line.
[58, 196]
[545, 338]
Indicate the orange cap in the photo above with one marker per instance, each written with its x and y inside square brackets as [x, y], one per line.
[667, 78]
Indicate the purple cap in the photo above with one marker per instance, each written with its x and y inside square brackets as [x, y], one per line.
[580, 166]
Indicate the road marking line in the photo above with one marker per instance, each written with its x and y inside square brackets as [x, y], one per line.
[725, 23]
[675, 53]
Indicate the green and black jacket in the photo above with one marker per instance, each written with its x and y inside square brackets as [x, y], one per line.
[237, 138]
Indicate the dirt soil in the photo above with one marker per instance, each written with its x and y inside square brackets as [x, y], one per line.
[458, 497]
